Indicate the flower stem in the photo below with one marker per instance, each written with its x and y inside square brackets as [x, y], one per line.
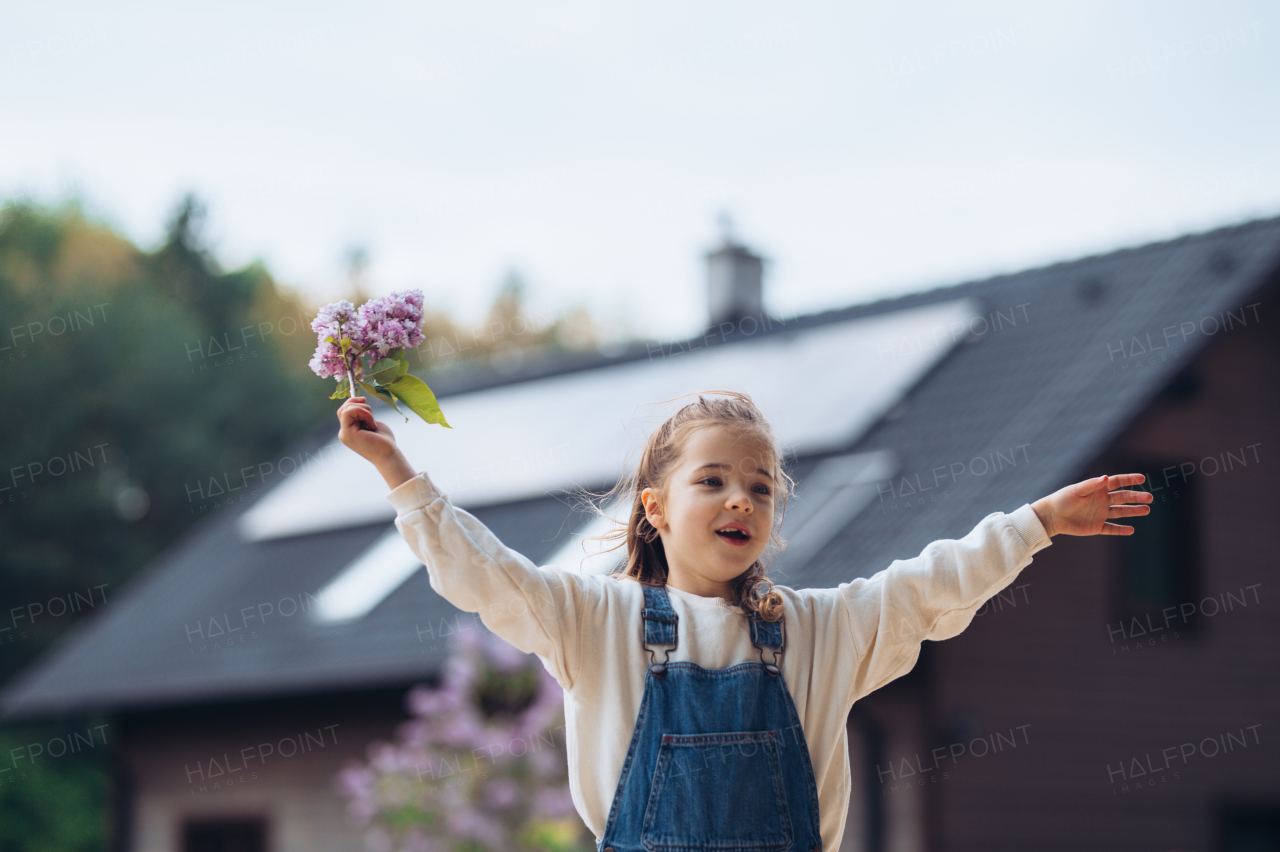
[351, 379]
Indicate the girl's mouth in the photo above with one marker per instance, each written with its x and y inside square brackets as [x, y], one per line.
[734, 536]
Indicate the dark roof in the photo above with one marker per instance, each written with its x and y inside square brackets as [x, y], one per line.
[1047, 384]
[1065, 384]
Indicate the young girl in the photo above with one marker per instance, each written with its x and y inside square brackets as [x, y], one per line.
[704, 706]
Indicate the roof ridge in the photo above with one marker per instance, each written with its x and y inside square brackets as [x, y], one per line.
[466, 379]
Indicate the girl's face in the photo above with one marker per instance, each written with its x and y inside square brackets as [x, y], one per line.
[722, 482]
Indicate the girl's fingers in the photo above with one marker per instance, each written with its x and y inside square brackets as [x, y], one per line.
[1131, 496]
[351, 413]
[1125, 479]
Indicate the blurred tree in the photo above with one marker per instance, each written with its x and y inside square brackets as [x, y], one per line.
[130, 378]
[129, 375]
[507, 318]
[356, 260]
[53, 804]
[117, 400]
[512, 333]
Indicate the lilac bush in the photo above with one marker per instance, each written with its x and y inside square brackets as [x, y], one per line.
[381, 329]
[481, 765]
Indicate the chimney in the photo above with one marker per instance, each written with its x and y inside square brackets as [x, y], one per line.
[735, 277]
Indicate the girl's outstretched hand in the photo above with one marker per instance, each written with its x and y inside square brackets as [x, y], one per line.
[359, 431]
[1084, 508]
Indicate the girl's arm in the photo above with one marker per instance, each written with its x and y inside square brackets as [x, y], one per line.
[935, 595]
[534, 609]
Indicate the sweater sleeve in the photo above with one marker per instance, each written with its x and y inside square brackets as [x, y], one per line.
[534, 609]
[933, 595]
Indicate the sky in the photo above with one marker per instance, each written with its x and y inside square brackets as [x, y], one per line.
[865, 150]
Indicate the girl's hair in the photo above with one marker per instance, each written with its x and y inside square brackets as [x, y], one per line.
[646, 559]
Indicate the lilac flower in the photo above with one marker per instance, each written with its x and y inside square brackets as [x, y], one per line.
[502, 793]
[359, 785]
[554, 802]
[333, 316]
[328, 362]
[508, 658]
[422, 793]
[388, 323]
[377, 327]
[467, 822]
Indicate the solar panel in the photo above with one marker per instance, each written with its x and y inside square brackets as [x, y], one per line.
[585, 555]
[825, 502]
[820, 387]
[363, 584]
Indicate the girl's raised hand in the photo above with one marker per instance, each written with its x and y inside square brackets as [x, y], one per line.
[1085, 508]
[359, 431]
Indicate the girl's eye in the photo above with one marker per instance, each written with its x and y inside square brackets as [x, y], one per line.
[715, 480]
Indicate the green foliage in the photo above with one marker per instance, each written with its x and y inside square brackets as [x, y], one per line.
[117, 405]
[413, 392]
[52, 804]
[131, 379]
[113, 354]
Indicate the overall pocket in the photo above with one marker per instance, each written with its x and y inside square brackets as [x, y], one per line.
[717, 791]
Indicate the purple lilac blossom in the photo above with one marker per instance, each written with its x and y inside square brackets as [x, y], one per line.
[429, 768]
[390, 322]
[334, 320]
[374, 329]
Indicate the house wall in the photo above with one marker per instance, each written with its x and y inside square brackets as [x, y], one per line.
[1052, 657]
[178, 763]
[889, 724]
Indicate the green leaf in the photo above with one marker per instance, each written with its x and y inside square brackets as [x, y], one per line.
[380, 391]
[394, 398]
[384, 371]
[342, 392]
[414, 392]
[374, 391]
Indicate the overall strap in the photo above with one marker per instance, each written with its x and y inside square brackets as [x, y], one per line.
[765, 632]
[658, 626]
[659, 617]
[772, 634]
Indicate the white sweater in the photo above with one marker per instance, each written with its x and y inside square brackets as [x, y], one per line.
[842, 643]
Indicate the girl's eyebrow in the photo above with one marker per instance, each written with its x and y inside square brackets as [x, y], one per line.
[722, 465]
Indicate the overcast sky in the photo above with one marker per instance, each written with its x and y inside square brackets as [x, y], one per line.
[865, 149]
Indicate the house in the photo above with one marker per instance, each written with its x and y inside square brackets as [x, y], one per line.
[1119, 695]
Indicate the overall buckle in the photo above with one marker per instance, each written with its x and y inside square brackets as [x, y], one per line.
[772, 666]
[656, 668]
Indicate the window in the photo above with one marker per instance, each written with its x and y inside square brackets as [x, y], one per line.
[224, 835]
[1159, 562]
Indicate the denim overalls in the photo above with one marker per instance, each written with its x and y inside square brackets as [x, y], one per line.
[717, 759]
